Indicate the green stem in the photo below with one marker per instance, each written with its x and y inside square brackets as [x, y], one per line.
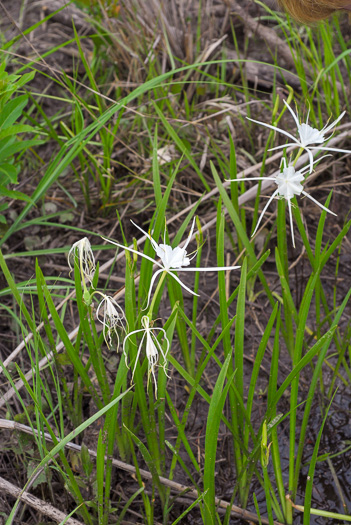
[158, 288]
[299, 153]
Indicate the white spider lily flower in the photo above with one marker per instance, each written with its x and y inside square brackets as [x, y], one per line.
[82, 250]
[307, 135]
[113, 318]
[172, 259]
[153, 349]
[289, 183]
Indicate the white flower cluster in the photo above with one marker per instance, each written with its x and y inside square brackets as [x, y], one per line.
[307, 135]
[171, 260]
[111, 315]
[289, 181]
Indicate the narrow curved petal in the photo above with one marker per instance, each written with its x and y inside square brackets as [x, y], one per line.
[190, 234]
[151, 370]
[124, 343]
[291, 224]
[294, 115]
[318, 203]
[98, 310]
[307, 167]
[139, 351]
[182, 284]
[283, 163]
[133, 332]
[264, 211]
[251, 178]
[290, 144]
[308, 114]
[274, 128]
[311, 158]
[327, 128]
[159, 345]
[325, 148]
[210, 269]
[153, 242]
[133, 251]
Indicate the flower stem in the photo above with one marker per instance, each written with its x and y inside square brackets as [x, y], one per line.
[298, 156]
[158, 288]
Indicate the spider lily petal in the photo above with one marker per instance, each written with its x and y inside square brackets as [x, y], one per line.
[153, 242]
[264, 211]
[318, 203]
[327, 128]
[291, 223]
[83, 252]
[113, 318]
[275, 128]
